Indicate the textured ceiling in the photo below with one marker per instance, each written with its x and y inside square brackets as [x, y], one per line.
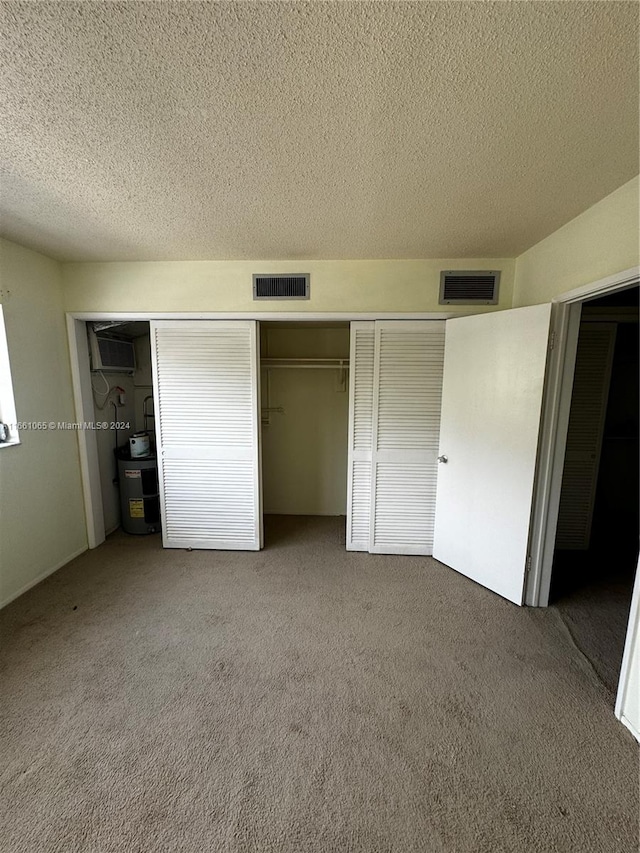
[311, 130]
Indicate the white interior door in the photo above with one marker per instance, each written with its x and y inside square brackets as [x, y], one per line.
[407, 390]
[206, 385]
[361, 358]
[494, 370]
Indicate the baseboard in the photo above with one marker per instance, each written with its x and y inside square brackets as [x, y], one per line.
[630, 726]
[43, 576]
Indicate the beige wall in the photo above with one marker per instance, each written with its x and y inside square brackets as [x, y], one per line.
[600, 242]
[227, 285]
[304, 449]
[42, 522]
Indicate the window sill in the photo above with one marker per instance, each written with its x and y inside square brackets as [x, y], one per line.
[12, 443]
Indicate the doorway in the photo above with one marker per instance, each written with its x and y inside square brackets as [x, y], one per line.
[304, 425]
[119, 360]
[596, 547]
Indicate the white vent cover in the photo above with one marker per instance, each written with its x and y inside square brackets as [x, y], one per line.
[281, 286]
[469, 287]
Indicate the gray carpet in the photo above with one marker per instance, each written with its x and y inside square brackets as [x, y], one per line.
[596, 615]
[300, 699]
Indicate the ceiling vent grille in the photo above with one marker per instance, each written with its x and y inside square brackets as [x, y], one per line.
[281, 286]
[469, 287]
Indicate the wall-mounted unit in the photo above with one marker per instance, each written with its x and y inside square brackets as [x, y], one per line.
[469, 287]
[281, 286]
[111, 354]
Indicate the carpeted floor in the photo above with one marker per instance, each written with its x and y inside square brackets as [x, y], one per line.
[300, 699]
[595, 609]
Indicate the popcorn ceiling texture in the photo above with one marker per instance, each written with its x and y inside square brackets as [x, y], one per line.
[311, 130]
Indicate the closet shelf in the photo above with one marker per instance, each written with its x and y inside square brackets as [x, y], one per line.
[315, 363]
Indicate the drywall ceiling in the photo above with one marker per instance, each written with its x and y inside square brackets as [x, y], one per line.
[311, 130]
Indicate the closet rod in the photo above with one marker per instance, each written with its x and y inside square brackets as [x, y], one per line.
[309, 363]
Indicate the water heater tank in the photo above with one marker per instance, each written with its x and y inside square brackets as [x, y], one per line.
[139, 495]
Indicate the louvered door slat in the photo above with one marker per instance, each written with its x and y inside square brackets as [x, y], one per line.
[360, 440]
[409, 359]
[206, 388]
[589, 397]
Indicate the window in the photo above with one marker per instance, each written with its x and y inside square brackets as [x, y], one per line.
[8, 422]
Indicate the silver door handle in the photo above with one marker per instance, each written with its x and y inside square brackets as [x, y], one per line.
[443, 458]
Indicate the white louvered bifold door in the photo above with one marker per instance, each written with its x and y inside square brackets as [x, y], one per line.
[408, 365]
[205, 375]
[360, 435]
[591, 381]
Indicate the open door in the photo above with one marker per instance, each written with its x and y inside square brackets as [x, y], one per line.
[206, 385]
[494, 369]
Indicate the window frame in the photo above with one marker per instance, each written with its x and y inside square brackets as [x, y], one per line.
[7, 398]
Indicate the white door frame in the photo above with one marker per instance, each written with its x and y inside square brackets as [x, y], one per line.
[87, 441]
[623, 709]
[565, 327]
[81, 378]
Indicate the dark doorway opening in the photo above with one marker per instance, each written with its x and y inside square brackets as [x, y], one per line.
[598, 527]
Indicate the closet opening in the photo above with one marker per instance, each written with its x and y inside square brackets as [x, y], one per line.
[596, 547]
[304, 378]
[123, 415]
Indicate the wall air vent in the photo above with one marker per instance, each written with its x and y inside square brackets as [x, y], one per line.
[281, 286]
[469, 287]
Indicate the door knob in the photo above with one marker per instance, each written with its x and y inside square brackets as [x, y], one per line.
[443, 459]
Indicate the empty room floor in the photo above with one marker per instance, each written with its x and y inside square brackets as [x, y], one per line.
[298, 699]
